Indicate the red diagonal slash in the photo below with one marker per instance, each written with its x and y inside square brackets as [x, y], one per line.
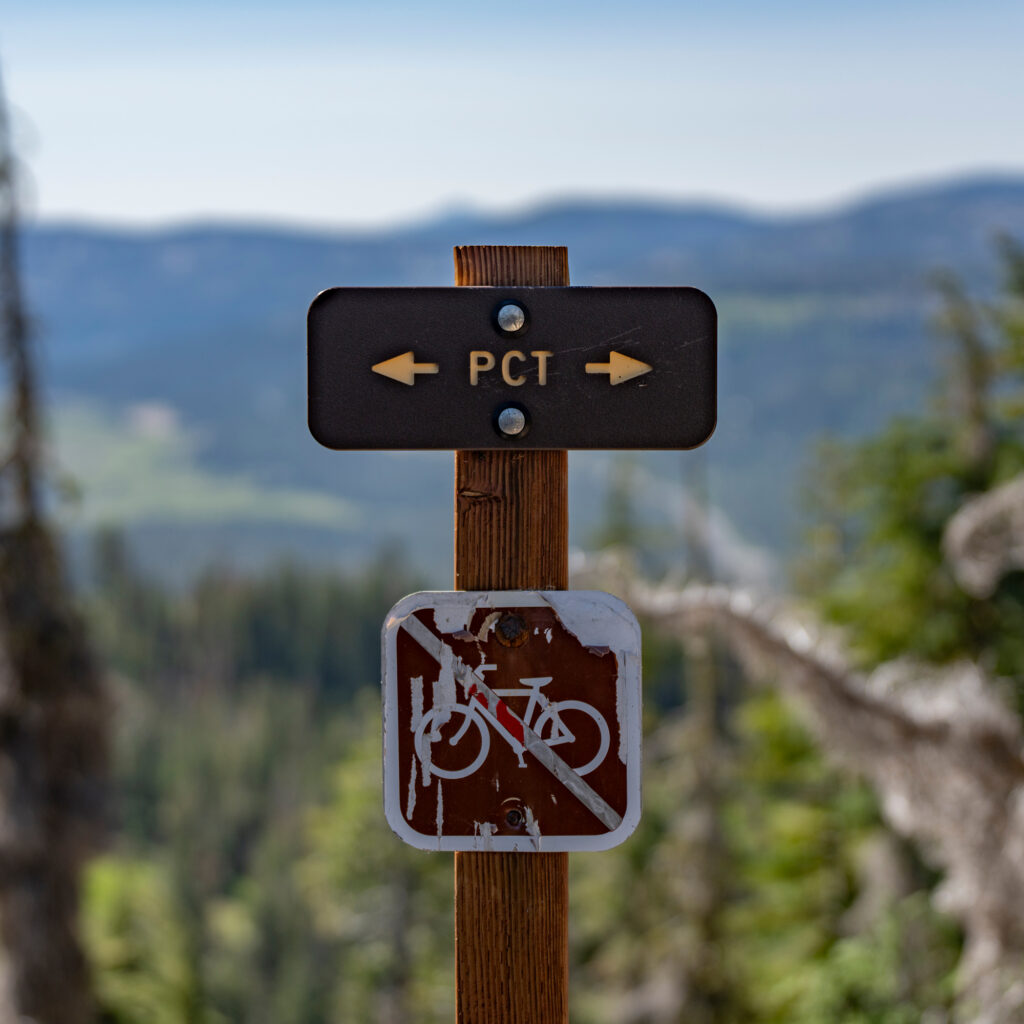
[502, 712]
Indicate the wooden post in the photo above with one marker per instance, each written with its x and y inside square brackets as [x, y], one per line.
[511, 533]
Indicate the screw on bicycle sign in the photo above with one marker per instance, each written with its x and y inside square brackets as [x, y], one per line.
[512, 720]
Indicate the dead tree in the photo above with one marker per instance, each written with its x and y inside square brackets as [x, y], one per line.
[985, 539]
[943, 751]
[53, 712]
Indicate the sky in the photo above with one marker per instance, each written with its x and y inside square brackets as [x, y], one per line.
[369, 114]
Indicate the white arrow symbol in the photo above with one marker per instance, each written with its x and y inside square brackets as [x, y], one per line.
[619, 368]
[403, 368]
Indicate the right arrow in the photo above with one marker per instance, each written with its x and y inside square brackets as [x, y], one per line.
[619, 368]
[403, 368]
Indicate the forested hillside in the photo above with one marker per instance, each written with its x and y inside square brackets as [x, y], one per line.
[831, 828]
[176, 360]
[253, 877]
[856, 861]
[192, 590]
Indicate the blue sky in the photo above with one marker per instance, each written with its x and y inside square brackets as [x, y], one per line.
[352, 114]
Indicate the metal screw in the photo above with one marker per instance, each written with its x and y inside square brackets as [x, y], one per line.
[511, 421]
[511, 631]
[511, 318]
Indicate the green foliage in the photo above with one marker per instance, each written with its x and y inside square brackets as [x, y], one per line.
[255, 879]
[875, 564]
[644, 918]
[894, 973]
[137, 942]
[225, 741]
[308, 628]
[819, 935]
[214, 789]
[783, 912]
[619, 526]
[388, 906]
[144, 466]
[874, 560]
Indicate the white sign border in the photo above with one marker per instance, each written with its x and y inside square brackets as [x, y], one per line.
[610, 615]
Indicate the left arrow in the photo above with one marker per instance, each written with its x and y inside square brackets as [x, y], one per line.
[404, 368]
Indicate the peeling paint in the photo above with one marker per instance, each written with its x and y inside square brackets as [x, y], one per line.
[440, 810]
[532, 827]
[452, 618]
[416, 684]
[484, 831]
[629, 667]
[487, 625]
[547, 634]
[445, 691]
[585, 621]
[410, 805]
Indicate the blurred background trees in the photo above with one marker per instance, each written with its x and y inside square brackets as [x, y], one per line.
[859, 859]
[254, 878]
[875, 560]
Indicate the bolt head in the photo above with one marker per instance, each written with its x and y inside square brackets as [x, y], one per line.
[511, 631]
[511, 318]
[511, 421]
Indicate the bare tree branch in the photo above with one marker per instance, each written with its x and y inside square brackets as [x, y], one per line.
[985, 539]
[941, 748]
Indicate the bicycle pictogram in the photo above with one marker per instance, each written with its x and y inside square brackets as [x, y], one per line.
[557, 723]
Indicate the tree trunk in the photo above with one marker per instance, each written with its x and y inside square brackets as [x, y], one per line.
[53, 711]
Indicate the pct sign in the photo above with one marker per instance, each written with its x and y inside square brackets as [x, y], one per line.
[407, 368]
[512, 720]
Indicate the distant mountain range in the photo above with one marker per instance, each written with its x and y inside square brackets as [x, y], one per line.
[175, 359]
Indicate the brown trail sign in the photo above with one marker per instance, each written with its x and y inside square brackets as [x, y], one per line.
[513, 362]
[512, 720]
[584, 367]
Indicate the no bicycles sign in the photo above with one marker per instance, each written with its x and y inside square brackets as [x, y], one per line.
[512, 720]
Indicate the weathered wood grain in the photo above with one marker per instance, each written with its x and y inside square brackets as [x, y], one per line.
[511, 532]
